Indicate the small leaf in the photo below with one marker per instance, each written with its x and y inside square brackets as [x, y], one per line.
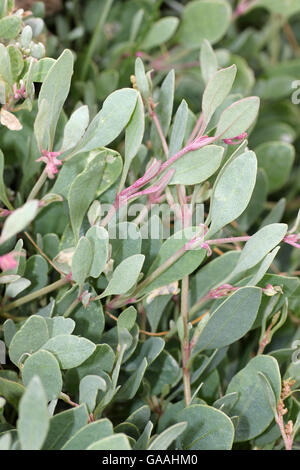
[141, 79]
[94, 179]
[134, 136]
[160, 32]
[206, 19]
[164, 109]
[41, 69]
[259, 245]
[276, 159]
[130, 388]
[5, 66]
[231, 320]
[208, 61]
[19, 220]
[88, 390]
[89, 434]
[285, 8]
[10, 27]
[185, 265]
[197, 166]
[82, 261]
[75, 128]
[216, 91]
[16, 62]
[5, 441]
[33, 422]
[125, 276]
[165, 439]
[41, 124]
[64, 425]
[233, 191]
[70, 351]
[269, 392]
[55, 90]
[179, 128]
[127, 318]
[11, 391]
[115, 442]
[252, 407]
[110, 121]
[238, 117]
[60, 326]
[99, 240]
[163, 371]
[44, 365]
[29, 339]
[207, 429]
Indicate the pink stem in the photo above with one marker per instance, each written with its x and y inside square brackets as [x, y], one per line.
[189, 148]
[196, 129]
[288, 442]
[160, 133]
[223, 241]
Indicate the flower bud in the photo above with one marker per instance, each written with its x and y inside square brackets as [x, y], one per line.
[26, 37]
[38, 51]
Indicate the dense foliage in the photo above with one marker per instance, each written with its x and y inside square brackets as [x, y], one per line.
[150, 235]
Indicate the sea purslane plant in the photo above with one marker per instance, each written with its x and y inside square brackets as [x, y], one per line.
[149, 289]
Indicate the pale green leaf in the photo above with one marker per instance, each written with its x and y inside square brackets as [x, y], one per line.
[44, 365]
[70, 351]
[18, 220]
[197, 166]
[33, 422]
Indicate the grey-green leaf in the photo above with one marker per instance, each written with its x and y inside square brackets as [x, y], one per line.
[64, 425]
[70, 351]
[75, 128]
[88, 390]
[276, 158]
[82, 261]
[125, 276]
[33, 422]
[115, 442]
[259, 245]
[83, 189]
[10, 26]
[19, 220]
[165, 439]
[205, 19]
[208, 61]
[231, 320]
[253, 407]
[238, 117]
[164, 109]
[89, 434]
[110, 121]
[31, 337]
[98, 238]
[216, 91]
[233, 191]
[197, 166]
[160, 32]
[5, 65]
[178, 128]
[55, 90]
[133, 136]
[44, 365]
[207, 429]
